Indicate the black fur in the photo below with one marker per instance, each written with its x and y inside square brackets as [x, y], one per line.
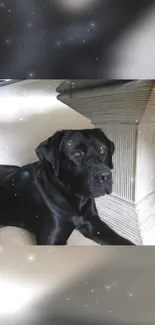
[55, 195]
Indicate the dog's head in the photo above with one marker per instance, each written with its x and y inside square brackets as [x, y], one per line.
[80, 158]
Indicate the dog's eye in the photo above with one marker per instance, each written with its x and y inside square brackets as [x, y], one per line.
[77, 154]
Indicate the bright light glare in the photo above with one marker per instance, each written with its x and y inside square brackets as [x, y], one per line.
[13, 297]
[76, 5]
[13, 107]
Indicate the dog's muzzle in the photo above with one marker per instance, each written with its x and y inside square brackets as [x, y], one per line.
[105, 179]
[106, 176]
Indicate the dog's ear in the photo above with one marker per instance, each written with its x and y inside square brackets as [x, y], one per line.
[48, 151]
[110, 144]
[111, 150]
[104, 138]
[111, 147]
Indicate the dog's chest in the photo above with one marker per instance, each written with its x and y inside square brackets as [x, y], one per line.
[17, 202]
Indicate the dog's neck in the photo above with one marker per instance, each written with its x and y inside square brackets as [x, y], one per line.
[78, 201]
[47, 175]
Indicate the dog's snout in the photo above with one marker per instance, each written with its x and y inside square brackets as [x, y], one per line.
[105, 176]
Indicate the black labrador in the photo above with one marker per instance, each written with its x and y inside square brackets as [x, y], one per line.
[55, 195]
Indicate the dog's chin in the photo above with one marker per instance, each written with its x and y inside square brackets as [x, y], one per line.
[101, 192]
[91, 191]
[98, 194]
[108, 191]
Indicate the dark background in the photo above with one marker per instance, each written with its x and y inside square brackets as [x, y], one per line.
[38, 39]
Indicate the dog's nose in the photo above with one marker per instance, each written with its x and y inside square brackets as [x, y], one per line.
[105, 176]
